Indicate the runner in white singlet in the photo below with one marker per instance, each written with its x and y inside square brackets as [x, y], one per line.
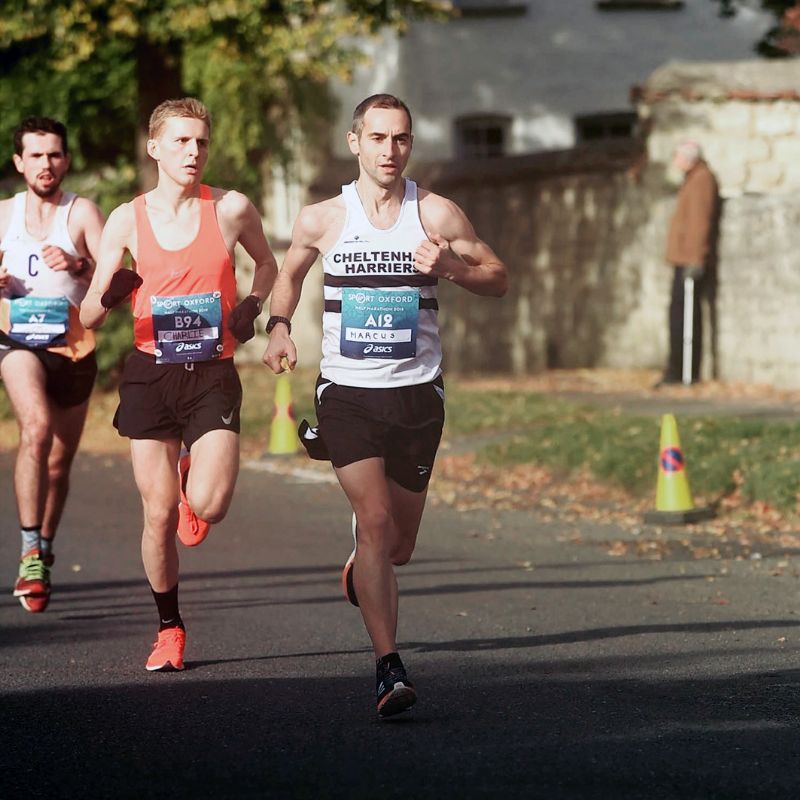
[385, 244]
[48, 243]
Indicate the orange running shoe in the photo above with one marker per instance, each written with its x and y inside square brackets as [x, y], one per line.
[167, 655]
[191, 529]
[32, 586]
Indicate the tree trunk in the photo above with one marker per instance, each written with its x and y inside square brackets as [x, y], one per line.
[158, 78]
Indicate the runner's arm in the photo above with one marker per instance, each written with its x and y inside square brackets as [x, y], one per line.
[454, 252]
[251, 237]
[300, 257]
[93, 224]
[6, 207]
[114, 242]
[85, 228]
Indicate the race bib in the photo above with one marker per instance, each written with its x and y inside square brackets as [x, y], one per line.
[379, 323]
[39, 321]
[187, 328]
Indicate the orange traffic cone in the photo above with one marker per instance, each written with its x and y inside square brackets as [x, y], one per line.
[283, 432]
[674, 504]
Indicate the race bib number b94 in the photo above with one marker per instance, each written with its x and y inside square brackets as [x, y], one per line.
[187, 328]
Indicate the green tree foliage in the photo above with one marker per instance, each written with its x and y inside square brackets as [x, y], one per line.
[260, 65]
[101, 66]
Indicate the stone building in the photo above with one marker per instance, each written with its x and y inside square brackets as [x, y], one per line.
[511, 77]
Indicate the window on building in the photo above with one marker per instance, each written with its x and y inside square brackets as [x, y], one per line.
[638, 5]
[485, 8]
[482, 136]
[606, 126]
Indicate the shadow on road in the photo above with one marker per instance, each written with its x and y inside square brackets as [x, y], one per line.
[175, 737]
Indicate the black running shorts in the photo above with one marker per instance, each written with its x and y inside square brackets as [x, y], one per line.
[168, 401]
[402, 425]
[68, 383]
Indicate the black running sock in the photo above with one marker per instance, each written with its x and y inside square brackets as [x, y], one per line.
[389, 661]
[167, 604]
[31, 537]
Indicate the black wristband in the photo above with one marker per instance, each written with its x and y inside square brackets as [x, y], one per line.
[273, 321]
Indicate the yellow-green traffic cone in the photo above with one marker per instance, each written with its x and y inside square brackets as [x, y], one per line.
[283, 431]
[674, 503]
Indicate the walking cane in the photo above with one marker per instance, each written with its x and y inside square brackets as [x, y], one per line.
[688, 329]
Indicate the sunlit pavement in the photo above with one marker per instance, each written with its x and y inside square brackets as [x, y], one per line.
[545, 666]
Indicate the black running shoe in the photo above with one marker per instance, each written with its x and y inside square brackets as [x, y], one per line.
[395, 691]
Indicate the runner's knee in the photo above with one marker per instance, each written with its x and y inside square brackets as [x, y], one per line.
[374, 525]
[36, 434]
[210, 508]
[403, 549]
[401, 556]
[58, 466]
[161, 520]
[211, 514]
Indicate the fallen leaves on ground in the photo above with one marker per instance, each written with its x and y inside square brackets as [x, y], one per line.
[741, 531]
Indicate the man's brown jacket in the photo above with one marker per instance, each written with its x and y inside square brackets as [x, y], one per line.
[692, 232]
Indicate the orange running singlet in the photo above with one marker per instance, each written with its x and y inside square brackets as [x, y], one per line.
[180, 312]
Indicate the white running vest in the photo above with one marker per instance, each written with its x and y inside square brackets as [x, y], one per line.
[380, 327]
[22, 256]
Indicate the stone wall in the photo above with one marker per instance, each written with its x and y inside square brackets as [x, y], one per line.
[759, 291]
[745, 114]
[573, 229]
[589, 285]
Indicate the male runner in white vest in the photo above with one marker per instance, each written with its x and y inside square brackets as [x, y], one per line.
[49, 240]
[385, 244]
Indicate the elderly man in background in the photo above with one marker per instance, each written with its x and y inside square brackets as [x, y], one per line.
[691, 251]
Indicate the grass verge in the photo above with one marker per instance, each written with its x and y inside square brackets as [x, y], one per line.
[760, 459]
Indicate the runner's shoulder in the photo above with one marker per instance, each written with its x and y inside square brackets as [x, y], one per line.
[231, 204]
[121, 221]
[320, 221]
[85, 210]
[6, 209]
[440, 214]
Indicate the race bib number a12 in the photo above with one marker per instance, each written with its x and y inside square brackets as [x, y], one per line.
[39, 321]
[187, 328]
[379, 323]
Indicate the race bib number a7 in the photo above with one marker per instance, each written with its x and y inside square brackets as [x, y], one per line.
[379, 323]
[39, 321]
[187, 328]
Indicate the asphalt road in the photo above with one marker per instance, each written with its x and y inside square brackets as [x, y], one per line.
[545, 667]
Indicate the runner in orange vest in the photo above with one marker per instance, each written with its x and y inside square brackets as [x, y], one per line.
[179, 386]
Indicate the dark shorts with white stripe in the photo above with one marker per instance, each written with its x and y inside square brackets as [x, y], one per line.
[401, 425]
